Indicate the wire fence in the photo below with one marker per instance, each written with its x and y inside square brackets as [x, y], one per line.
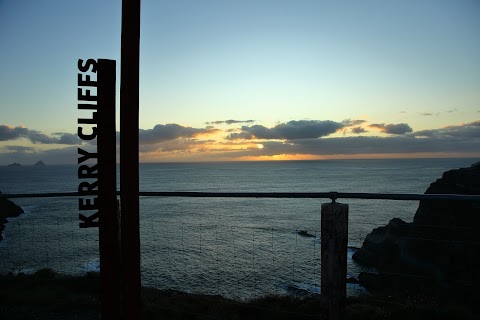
[33, 242]
[221, 259]
[238, 261]
[228, 260]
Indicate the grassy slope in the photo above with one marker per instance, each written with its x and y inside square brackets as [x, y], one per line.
[46, 295]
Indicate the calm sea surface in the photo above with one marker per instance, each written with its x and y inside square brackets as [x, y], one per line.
[238, 248]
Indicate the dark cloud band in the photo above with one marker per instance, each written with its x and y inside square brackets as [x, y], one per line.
[398, 129]
[292, 130]
[12, 133]
[171, 131]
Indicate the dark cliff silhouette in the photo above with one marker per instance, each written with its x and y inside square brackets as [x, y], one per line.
[436, 254]
[8, 209]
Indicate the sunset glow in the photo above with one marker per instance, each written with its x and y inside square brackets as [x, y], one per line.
[243, 81]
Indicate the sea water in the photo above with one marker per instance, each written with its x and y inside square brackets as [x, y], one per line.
[235, 247]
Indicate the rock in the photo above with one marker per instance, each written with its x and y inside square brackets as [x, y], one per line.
[39, 163]
[445, 213]
[8, 209]
[381, 247]
[15, 164]
[439, 250]
[305, 233]
[352, 280]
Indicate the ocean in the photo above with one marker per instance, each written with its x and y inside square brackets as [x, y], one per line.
[235, 247]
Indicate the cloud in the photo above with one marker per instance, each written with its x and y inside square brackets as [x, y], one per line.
[56, 138]
[358, 130]
[38, 137]
[292, 130]
[159, 133]
[230, 121]
[349, 122]
[67, 138]
[19, 149]
[429, 114]
[398, 129]
[175, 145]
[171, 131]
[28, 155]
[368, 145]
[351, 146]
[464, 130]
[174, 142]
[13, 133]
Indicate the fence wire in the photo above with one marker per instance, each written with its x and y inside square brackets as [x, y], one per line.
[238, 261]
[227, 260]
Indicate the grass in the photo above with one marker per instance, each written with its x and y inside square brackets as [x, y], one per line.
[47, 295]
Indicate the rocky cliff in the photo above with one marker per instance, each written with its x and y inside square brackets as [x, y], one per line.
[8, 209]
[438, 251]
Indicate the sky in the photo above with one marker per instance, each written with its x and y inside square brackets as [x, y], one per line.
[251, 80]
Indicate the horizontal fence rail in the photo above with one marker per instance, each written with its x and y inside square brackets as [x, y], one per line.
[299, 195]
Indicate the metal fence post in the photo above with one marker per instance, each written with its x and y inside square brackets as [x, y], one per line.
[334, 238]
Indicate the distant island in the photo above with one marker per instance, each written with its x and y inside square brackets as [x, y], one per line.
[15, 164]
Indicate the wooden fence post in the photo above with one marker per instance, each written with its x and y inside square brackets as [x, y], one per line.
[107, 191]
[334, 238]
[129, 161]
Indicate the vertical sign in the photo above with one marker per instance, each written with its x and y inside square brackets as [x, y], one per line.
[87, 131]
[97, 186]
